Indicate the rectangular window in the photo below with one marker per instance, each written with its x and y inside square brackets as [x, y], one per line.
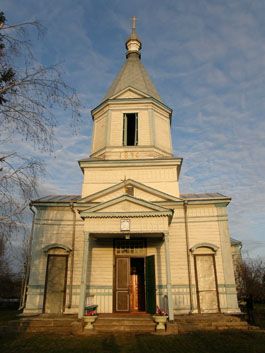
[130, 247]
[130, 129]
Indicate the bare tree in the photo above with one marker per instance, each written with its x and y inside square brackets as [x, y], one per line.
[251, 279]
[29, 96]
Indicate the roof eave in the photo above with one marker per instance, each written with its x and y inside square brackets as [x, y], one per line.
[110, 100]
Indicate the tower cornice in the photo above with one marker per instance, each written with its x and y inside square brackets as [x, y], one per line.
[119, 101]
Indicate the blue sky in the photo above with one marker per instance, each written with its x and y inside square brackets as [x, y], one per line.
[207, 60]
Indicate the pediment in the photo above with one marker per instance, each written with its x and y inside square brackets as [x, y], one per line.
[140, 191]
[126, 205]
[129, 92]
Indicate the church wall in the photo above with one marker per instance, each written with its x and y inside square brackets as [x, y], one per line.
[203, 227]
[53, 225]
[112, 225]
[162, 132]
[179, 267]
[144, 133]
[164, 178]
[116, 128]
[100, 274]
[229, 289]
[205, 224]
[99, 133]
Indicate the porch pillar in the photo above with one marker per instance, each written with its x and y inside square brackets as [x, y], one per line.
[82, 297]
[168, 272]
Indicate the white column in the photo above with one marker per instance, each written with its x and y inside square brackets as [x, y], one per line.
[82, 297]
[168, 272]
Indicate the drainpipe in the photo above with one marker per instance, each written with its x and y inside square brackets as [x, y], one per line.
[26, 278]
[72, 257]
[185, 206]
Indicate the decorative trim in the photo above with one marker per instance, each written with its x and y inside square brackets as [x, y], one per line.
[136, 100]
[204, 245]
[130, 162]
[155, 209]
[124, 214]
[56, 245]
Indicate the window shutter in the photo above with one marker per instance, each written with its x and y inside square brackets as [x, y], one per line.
[136, 130]
[125, 124]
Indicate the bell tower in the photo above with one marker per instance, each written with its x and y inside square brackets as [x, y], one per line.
[132, 125]
[132, 121]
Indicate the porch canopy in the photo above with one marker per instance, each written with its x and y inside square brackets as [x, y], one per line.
[128, 217]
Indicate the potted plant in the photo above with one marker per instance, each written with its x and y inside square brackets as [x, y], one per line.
[90, 316]
[160, 318]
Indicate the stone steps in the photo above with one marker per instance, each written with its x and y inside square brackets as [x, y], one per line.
[123, 323]
[198, 322]
[111, 323]
[60, 325]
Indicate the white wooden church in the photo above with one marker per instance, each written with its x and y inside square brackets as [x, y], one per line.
[131, 240]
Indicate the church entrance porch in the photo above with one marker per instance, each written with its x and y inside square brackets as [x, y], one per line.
[119, 272]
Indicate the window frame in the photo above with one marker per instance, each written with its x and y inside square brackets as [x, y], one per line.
[125, 130]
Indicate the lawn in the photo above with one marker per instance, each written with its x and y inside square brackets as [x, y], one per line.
[199, 342]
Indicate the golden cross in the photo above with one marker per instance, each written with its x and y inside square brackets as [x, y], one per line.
[134, 23]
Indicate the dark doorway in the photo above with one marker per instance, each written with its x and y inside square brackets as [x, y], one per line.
[137, 287]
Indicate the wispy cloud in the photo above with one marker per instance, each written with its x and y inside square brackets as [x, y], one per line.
[207, 61]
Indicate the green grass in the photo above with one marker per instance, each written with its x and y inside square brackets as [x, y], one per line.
[211, 342]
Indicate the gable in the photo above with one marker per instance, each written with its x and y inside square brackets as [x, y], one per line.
[129, 92]
[125, 205]
[140, 191]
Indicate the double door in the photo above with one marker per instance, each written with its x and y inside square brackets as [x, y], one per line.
[134, 284]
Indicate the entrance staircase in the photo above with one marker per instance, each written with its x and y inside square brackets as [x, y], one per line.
[124, 323]
[57, 324]
[200, 322]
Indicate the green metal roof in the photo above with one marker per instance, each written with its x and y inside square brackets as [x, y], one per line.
[133, 74]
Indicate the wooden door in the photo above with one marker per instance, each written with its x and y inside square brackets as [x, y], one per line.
[55, 284]
[207, 295]
[150, 289]
[122, 279]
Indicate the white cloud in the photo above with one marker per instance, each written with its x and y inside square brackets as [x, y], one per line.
[207, 61]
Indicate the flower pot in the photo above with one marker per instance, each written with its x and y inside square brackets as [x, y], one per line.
[160, 321]
[89, 321]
